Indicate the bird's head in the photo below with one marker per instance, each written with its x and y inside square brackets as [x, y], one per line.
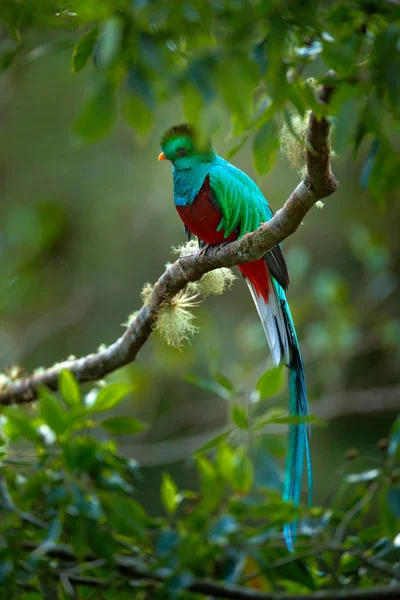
[184, 147]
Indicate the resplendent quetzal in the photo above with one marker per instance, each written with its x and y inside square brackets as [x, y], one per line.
[217, 203]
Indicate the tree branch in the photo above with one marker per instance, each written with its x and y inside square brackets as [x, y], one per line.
[319, 182]
[132, 568]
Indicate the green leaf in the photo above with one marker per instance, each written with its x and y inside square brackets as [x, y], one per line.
[109, 396]
[192, 103]
[210, 386]
[239, 416]
[387, 517]
[242, 472]
[341, 55]
[211, 485]
[124, 514]
[109, 42]
[137, 113]
[123, 425]
[83, 50]
[280, 417]
[270, 383]
[19, 425]
[69, 388]
[265, 147]
[99, 114]
[169, 493]
[52, 412]
[225, 461]
[213, 442]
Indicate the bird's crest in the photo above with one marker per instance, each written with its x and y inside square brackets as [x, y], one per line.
[183, 129]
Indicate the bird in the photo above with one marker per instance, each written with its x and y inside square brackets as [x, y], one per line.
[217, 203]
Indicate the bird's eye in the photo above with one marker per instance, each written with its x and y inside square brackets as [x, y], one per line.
[182, 152]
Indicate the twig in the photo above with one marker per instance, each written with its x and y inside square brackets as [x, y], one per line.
[131, 568]
[349, 516]
[319, 182]
[9, 505]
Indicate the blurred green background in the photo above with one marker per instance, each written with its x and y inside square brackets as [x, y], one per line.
[84, 227]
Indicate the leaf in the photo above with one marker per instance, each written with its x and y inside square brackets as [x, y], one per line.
[109, 396]
[394, 440]
[211, 486]
[224, 381]
[265, 147]
[242, 472]
[210, 386]
[280, 417]
[83, 50]
[108, 44]
[123, 425]
[169, 494]
[124, 514]
[225, 460]
[69, 388]
[270, 383]
[239, 416]
[219, 531]
[192, 103]
[20, 425]
[137, 113]
[393, 500]
[215, 441]
[99, 114]
[299, 572]
[387, 517]
[52, 412]
[51, 538]
[369, 475]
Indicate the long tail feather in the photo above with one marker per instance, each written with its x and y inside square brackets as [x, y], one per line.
[281, 335]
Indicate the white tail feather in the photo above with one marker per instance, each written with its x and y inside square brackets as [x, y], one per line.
[273, 322]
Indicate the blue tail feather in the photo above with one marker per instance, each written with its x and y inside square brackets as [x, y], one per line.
[298, 434]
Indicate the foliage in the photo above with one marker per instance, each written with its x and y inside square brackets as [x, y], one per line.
[67, 495]
[249, 60]
[70, 521]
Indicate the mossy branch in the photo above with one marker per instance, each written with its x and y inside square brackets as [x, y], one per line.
[318, 182]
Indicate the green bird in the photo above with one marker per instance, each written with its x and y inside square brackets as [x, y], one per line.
[217, 203]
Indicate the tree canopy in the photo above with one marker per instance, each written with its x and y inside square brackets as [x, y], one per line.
[277, 75]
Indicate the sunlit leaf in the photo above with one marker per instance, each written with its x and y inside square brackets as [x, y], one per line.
[110, 396]
[83, 50]
[69, 388]
[52, 412]
[270, 383]
[169, 493]
[239, 416]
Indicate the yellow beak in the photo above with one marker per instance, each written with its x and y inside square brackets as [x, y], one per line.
[162, 156]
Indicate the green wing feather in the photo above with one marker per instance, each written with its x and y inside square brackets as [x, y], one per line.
[239, 199]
